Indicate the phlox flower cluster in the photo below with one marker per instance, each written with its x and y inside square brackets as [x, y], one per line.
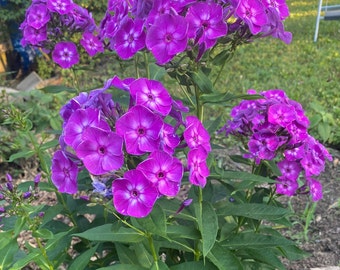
[50, 25]
[130, 153]
[166, 28]
[169, 27]
[276, 128]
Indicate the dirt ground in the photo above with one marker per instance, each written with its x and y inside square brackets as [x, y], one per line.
[323, 243]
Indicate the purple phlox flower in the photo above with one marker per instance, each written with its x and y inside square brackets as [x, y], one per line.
[315, 189]
[177, 111]
[74, 104]
[164, 171]
[180, 5]
[286, 187]
[141, 130]
[197, 165]
[296, 153]
[253, 13]
[169, 139]
[312, 165]
[276, 94]
[134, 195]
[297, 131]
[112, 20]
[79, 121]
[38, 16]
[301, 118]
[9, 177]
[91, 44]
[101, 151]
[289, 169]
[141, 8]
[80, 19]
[60, 6]
[279, 6]
[262, 145]
[34, 36]
[37, 180]
[151, 94]
[280, 33]
[281, 114]
[184, 204]
[123, 84]
[65, 54]
[167, 37]
[64, 173]
[129, 39]
[26, 195]
[159, 8]
[101, 188]
[206, 23]
[195, 134]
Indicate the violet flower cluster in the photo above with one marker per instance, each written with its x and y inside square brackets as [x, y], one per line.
[169, 27]
[276, 127]
[130, 155]
[166, 28]
[51, 24]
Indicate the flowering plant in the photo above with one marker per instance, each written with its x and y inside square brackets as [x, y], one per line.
[129, 149]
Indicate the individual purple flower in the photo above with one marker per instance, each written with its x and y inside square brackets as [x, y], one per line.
[141, 8]
[38, 16]
[286, 187]
[281, 114]
[134, 195]
[164, 171]
[141, 130]
[65, 54]
[167, 37]
[100, 188]
[60, 6]
[315, 189]
[296, 153]
[169, 139]
[34, 36]
[280, 6]
[262, 145]
[101, 151]
[289, 169]
[253, 13]
[64, 173]
[130, 38]
[91, 44]
[80, 19]
[74, 104]
[198, 168]
[195, 134]
[79, 121]
[206, 23]
[151, 94]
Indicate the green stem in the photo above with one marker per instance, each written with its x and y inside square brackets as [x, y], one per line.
[146, 61]
[153, 251]
[186, 94]
[128, 224]
[199, 106]
[220, 72]
[75, 80]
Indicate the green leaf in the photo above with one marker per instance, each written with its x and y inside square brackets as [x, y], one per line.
[202, 81]
[194, 266]
[156, 72]
[21, 263]
[314, 120]
[180, 231]
[53, 89]
[144, 258]
[43, 233]
[293, 253]
[19, 225]
[104, 233]
[212, 126]
[49, 144]
[155, 222]
[223, 258]
[207, 224]
[83, 259]
[125, 254]
[267, 256]
[22, 154]
[7, 254]
[271, 164]
[254, 210]
[234, 175]
[123, 267]
[324, 130]
[255, 240]
[216, 97]
[159, 266]
[6, 238]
